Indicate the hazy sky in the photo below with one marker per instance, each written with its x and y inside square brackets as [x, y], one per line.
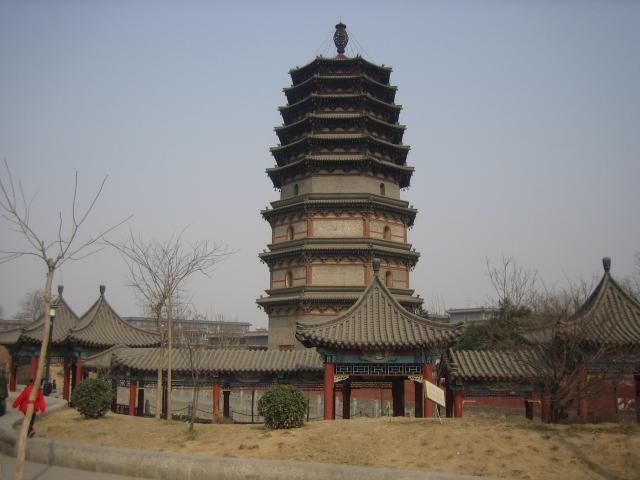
[523, 118]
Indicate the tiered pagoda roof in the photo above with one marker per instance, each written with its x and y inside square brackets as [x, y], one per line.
[377, 321]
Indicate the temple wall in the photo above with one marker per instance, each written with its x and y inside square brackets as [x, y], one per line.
[340, 183]
[338, 227]
[338, 274]
[281, 234]
[298, 277]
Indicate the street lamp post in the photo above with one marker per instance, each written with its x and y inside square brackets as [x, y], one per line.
[48, 387]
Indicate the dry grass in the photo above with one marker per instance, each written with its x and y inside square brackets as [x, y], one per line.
[511, 449]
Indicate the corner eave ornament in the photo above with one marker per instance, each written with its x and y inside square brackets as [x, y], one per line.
[341, 38]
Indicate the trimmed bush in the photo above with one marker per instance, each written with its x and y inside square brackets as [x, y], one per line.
[283, 406]
[92, 398]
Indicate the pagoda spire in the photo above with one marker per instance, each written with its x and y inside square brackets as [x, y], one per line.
[341, 38]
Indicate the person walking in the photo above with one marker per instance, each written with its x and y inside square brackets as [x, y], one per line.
[22, 402]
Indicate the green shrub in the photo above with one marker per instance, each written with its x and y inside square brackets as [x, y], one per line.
[92, 398]
[283, 406]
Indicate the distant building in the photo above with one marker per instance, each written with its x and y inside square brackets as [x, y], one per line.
[210, 332]
[472, 314]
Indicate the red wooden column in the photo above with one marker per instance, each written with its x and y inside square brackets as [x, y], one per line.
[217, 388]
[419, 399]
[346, 399]
[78, 370]
[67, 378]
[13, 370]
[528, 409]
[458, 398]
[34, 367]
[428, 376]
[397, 392]
[545, 406]
[329, 396]
[132, 397]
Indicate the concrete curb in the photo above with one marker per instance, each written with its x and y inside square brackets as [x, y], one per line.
[162, 465]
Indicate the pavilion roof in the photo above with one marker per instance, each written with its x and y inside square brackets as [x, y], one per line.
[64, 321]
[375, 321]
[211, 360]
[609, 317]
[101, 326]
[494, 365]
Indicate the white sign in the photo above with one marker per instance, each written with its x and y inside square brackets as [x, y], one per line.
[434, 393]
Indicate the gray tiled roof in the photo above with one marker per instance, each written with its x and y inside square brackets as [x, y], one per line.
[609, 317]
[212, 360]
[101, 326]
[377, 321]
[64, 321]
[494, 365]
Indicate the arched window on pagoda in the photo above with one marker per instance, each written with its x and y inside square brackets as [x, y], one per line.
[388, 279]
[382, 189]
[289, 232]
[288, 279]
[296, 189]
[387, 232]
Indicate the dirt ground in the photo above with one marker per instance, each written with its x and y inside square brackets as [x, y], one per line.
[496, 447]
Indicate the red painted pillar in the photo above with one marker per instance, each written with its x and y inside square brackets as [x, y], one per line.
[346, 400]
[583, 408]
[78, 370]
[329, 396]
[13, 371]
[419, 399]
[67, 378]
[428, 376]
[34, 367]
[545, 407]
[132, 397]
[528, 409]
[583, 403]
[217, 388]
[458, 398]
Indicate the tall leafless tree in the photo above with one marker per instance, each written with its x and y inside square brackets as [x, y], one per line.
[158, 272]
[66, 245]
[30, 306]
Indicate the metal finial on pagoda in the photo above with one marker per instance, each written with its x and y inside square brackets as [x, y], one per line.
[341, 38]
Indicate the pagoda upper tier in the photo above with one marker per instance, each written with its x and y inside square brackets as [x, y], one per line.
[340, 112]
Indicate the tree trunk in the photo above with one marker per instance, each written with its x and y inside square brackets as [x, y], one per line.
[169, 360]
[21, 444]
[194, 403]
[159, 385]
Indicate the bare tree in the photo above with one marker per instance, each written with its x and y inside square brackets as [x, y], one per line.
[30, 306]
[192, 349]
[159, 271]
[632, 283]
[64, 246]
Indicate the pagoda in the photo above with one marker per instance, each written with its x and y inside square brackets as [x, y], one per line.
[340, 168]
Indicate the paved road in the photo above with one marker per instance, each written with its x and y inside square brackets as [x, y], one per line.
[36, 471]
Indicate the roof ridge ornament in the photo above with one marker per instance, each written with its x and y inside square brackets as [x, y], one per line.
[102, 290]
[376, 267]
[606, 263]
[60, 290]
[341, 38]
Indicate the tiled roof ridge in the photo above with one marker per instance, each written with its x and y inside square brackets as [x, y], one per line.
[377, 281]
[345, 59]
[339, 136]
[340, 95]
[342, 116]
[350, 76]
